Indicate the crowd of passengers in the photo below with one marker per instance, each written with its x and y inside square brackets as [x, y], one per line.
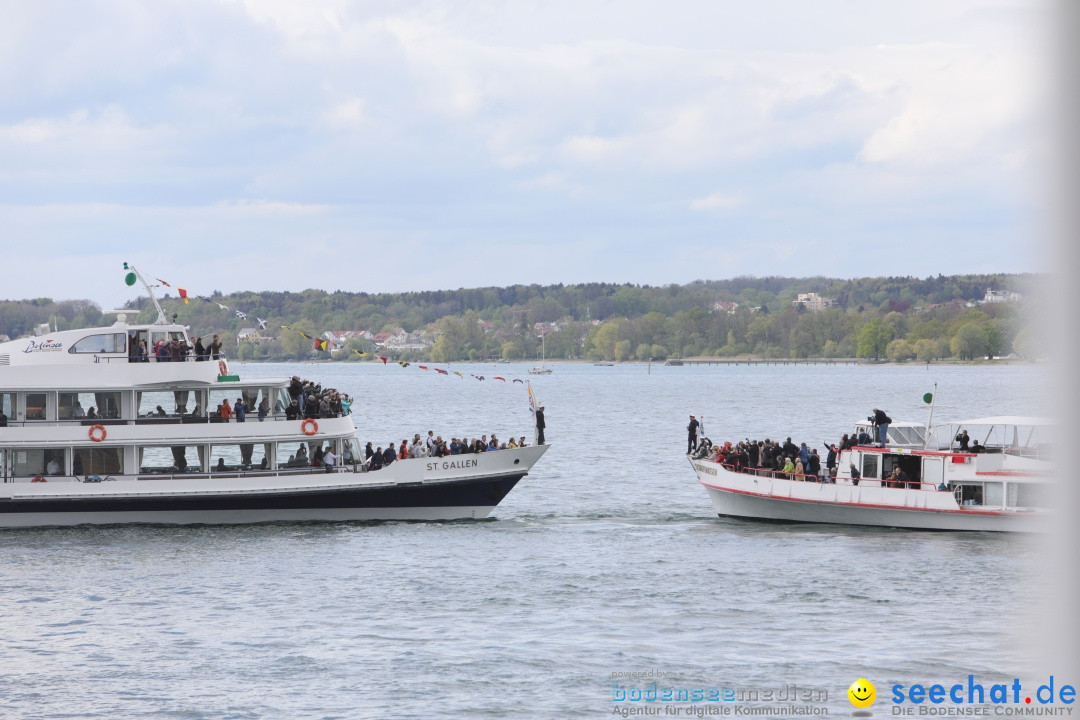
[174, 350]
[786, 458]
[434, 446]
[795, 462]
[311, 400]
[306, 400]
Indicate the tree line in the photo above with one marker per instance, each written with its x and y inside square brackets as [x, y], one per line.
[894, 318]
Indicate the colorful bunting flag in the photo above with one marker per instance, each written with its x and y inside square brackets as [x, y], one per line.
[324, 345]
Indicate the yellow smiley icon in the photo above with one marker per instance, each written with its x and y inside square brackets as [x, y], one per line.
[862, 693]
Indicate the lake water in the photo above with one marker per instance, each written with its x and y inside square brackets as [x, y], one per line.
[606, 559]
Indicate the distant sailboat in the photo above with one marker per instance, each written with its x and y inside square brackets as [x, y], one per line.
[541, 369]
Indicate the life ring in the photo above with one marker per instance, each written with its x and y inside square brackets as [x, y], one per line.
[309, 431]
[222, 368]
[97, 433]
[39, 479]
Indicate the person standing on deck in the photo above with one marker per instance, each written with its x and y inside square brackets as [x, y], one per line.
[882, 421]
[540, 425]
[691, 435]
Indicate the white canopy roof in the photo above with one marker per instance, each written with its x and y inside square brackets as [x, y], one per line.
[1023, 420]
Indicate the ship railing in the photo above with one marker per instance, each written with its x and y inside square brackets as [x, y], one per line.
[228, 473]
[118, 358]
[825, 479]
[171, 419]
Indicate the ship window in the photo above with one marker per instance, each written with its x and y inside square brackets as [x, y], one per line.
[88, 406]
[971, 494]
[30, 462]
[992, 494]
[110, 343]
[1029, 495]
[242, 456]
[171, 459]
[352, 445]
[35, 406]
[173, 403]
[283, 401]
[98, 461]
[870, 466]
[7, 404]
[295, 454]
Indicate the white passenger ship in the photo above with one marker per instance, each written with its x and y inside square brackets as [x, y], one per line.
[150, 452]
[1001, 486]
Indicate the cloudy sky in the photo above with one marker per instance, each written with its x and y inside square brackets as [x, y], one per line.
[390, 145]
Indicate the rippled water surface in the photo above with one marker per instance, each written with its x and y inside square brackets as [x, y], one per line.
[606, 558]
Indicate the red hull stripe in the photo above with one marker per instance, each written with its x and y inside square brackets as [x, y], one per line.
[1005, 473]
[851, 504]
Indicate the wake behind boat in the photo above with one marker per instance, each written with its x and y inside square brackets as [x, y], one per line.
[920, 478]
[95, 431]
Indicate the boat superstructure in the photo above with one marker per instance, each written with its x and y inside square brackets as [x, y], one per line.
[921, 478]
[95, 432]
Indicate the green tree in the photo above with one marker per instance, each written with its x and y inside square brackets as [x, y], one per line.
[926, 349]
[899, 350]
[511, 350]
[1026, 344]
[969, 342]
[602, 339]
[246, 351]
[874, 339]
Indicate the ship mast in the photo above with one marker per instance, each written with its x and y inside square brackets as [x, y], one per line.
[161, 320]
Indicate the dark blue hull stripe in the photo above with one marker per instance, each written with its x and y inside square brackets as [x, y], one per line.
[465, 493]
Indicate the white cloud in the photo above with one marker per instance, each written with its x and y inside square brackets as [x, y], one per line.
[341, 122]
[717, 201]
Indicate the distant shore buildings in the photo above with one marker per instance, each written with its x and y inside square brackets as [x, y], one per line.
[812, 302]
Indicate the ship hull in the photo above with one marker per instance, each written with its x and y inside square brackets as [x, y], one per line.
[449, 488]
[746, 496]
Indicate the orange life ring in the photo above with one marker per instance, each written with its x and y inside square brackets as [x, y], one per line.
[309, 431]
[94, 433]
[222, 368]
[39, 479]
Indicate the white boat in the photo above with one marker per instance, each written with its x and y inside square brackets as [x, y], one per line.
[1000, 485]
[97, 435]
[541, 369]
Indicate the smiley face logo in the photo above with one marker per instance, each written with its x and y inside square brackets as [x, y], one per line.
[862, 693]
